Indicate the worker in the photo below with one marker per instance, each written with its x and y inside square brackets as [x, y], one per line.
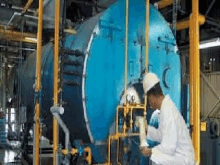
[175, 146]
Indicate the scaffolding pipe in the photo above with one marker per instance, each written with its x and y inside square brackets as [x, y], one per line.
[38, 85]
[195, 78]
[56, 80]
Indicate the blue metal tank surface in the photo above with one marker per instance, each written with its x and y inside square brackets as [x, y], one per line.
[90, 102]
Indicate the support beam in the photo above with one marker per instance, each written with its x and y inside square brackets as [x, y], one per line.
[184, 24]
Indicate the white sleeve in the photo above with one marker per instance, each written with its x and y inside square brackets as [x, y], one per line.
[169, 134]
[153, 134]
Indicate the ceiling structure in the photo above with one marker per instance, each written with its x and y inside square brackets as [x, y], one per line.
[18, 26]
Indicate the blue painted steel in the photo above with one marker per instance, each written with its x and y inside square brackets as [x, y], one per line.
[105, 81]
[90, 108]
[3, 136]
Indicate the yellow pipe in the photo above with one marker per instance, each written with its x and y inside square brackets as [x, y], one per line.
[117, 150]
[191, 82]
[131, 119]
[126, 50]
[194, 52]
[18, 36]
[28, 4]
[109, 150]
[164, 3]
[74, 151]
[116, 122]
[184, 24]
[37, 134]
[56, 79]
[147, 17]
[38, 84]
[89, 157]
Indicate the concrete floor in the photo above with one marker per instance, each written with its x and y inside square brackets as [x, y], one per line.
[7, 157]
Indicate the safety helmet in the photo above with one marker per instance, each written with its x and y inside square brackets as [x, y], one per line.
[150, 79]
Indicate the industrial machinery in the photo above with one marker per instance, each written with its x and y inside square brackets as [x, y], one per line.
[92, 80]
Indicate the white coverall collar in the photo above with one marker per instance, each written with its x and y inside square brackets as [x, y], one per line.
[166, 98]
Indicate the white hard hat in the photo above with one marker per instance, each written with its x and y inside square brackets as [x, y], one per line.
[150, 79]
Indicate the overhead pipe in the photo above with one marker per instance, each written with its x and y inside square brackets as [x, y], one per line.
[184, 24]
[37, 133]
[164, 3]
[56, 80]
[195, 78]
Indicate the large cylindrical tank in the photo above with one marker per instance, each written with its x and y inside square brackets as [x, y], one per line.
[93, 78]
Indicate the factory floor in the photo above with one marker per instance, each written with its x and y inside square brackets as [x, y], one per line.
[7, 157]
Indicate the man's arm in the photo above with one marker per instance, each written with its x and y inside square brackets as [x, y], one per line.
[153, 134]
[169, 135]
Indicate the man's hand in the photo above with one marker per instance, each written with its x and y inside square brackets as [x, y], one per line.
[146, 151]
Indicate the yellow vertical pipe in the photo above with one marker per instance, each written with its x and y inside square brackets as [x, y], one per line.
[147, 17]
[126, 49]
[38, 84]
[147, 25]
[56, 79]
[195, 78]
[191, 82]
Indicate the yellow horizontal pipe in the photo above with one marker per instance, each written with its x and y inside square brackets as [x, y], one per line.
[184, 24]
[18, 36]
[73, 151]
[164, 3]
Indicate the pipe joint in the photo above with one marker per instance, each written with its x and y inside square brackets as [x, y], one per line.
[59, 110]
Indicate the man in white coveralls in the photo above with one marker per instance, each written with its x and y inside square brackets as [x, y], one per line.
[175, 146]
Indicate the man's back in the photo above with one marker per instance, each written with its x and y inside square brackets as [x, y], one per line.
[170, 115]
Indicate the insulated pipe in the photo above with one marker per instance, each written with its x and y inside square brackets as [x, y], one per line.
[195, 77]
[38, 85]
[65, 129]
[56, 80]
